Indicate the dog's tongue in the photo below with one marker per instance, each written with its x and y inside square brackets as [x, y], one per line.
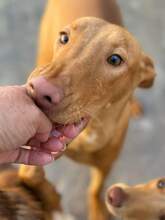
[70, 130]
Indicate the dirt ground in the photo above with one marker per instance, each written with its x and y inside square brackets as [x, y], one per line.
[143, 154]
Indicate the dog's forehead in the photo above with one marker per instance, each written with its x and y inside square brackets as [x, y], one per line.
[110, 33]
[87, 23]
[94, 26]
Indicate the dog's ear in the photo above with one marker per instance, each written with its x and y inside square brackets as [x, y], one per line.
[34, 178]
[147, 70]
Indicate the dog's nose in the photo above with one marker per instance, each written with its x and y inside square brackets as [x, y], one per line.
[116, 196]
[45, 94]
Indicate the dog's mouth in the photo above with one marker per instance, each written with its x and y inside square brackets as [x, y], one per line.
[69, 130]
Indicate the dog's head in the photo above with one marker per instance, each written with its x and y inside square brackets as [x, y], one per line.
[27, 195]
[140, 202]
[95, 63]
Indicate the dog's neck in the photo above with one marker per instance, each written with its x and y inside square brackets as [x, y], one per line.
[106, 123]
[113, 111]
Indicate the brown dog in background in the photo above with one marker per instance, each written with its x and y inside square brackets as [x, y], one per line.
[25, 194]
[140, 202]
[95, 69]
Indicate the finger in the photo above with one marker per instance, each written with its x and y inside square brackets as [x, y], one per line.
[73, 130]
[53, 145]
[44, 124]
[34, 143]
[65, 140]
[55, 133]
[44, 129]
[26, 156]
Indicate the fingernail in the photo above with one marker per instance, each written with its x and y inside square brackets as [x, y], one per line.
[55, 133]
[55, 145]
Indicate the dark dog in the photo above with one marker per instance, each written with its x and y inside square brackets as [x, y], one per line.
[25, 194]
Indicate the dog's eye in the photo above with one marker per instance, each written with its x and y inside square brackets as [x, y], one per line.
[161, 184]
[64, 38]
[115, 60]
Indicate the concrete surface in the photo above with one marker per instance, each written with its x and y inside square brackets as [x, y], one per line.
[143, 155]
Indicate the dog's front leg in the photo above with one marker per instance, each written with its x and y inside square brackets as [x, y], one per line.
[97, 209]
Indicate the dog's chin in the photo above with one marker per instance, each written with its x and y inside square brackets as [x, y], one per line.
[113, 211]
[70, 129]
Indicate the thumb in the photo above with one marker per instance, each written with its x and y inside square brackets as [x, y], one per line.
[43, 124]
[44, 128]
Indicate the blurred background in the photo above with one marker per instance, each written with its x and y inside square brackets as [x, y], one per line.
[143, 154]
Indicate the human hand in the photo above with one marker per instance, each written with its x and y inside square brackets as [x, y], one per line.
[23, 124]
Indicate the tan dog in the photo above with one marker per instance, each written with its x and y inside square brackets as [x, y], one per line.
[58, 14]
[94, 72]
[27, 195]
[140, 202]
